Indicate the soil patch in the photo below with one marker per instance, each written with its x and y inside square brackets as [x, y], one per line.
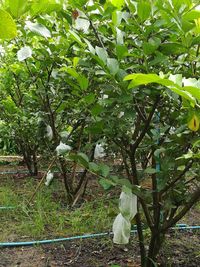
[181, 249]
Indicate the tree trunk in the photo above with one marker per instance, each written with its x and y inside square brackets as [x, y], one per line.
[154, 248]
[68, 186]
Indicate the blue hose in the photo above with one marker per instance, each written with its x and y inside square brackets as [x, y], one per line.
[25, 171]
[48, 241]
[39, 242]
[7, 208]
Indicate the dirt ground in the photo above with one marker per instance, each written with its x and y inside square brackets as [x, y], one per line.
[182, 249]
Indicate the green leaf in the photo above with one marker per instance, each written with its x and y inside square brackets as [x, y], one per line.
[144, 79]
[120, 36]
[93, 167]
[89, 99]
[106, 183]
[131, 6]
[143, 10]
[150, 170]
[181, 168]
[83, 82]
[8, 28]
[76, 38]
[125, 182]
[9, 105]
[17, 7]
[77, 3]
[104, 170]
[24, 53]
[139, 78]
[151, 46]
[113, 65]
[96, 110]
[121, 51]
[189, 155]
[148, 48]
[191, 15]
[72, 72]
[116, 18]
[90, 47]
[172, 48]
[117, 3]
[102, 53]
[44, 7]
[194, 91]
[81, 158]
[38, 28]
[184, 94]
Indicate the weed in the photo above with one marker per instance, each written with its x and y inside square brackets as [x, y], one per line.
[48, 216]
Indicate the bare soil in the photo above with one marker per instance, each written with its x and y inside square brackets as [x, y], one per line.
[181, 249]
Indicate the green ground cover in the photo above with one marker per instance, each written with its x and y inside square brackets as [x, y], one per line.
[47, 216]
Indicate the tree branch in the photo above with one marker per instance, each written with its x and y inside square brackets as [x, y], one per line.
[194, 198]
[146, 126]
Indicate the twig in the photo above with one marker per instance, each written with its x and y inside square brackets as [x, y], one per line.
[41, 181]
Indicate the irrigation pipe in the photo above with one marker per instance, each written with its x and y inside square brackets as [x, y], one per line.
[48, 241]
[25, 171]
[7, 208]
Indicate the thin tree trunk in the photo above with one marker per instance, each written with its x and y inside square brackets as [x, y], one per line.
[141, 240]
[156, 241]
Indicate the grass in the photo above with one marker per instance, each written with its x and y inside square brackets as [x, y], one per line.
[49, 216]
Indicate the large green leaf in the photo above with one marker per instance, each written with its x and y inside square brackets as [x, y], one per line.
[44, 7]
[81, 158]
[116, 18]
[193, 14]
[117, 3]
[121, 51]
[183, 93]
[8, 28]
[104, 169]
[194, 91]
[172, 48]
[102, 53]
[113, 65]
[18, 7]
[83, 82]
[139, 78]
[76, 37]
[93, 167]
[77, 3]
[106, 183]
[143, 10]
[144, 79]
[9, 105]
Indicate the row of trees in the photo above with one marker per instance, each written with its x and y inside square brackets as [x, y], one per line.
[125, 73]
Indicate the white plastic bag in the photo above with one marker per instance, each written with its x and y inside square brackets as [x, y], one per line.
[122, 223]
[49, 178]
[121, 230]
[49, 132]
[128, 205]
[62, 149]
[99, 151]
